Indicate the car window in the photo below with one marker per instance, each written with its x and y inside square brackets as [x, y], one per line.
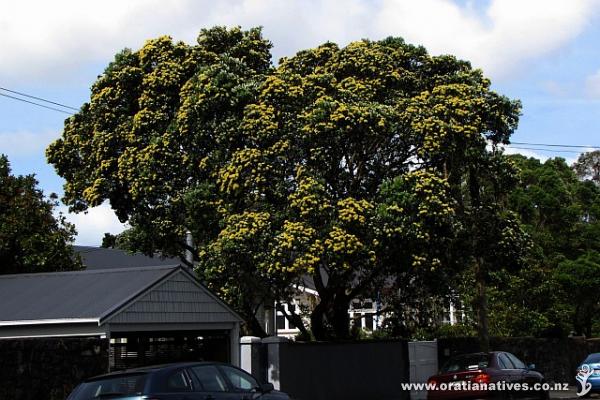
[467, 362]
[124, 385]
[178, 382]
[592, 359]
[516, 362]
[505, 362]
[239, 379]
[209, 378]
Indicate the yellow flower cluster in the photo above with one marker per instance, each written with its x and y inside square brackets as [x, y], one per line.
[309, 198]
[351, 210]
[249, 168]
[245, 227]
[295, 249]
[341, 242]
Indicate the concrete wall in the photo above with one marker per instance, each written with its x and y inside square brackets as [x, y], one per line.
[333, 371]
[48, 369]
[555, 358]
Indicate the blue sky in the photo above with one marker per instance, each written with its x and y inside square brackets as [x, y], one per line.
[543, 52]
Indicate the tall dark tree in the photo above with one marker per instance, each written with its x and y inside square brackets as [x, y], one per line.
[32, 238]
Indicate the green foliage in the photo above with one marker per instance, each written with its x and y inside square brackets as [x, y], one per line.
[580, 280]
[32, 239]
[560, 213]
[457, 330]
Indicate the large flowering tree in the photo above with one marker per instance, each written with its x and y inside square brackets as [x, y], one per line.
[347, 165]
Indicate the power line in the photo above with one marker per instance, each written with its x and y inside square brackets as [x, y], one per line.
[557, 145]
[540, 149]
[37, 104]
[38, 98]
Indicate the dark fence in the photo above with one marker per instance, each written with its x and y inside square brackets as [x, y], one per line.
[344, 371]
[557, 359]
[48, 369]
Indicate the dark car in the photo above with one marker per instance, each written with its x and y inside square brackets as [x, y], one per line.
[458, 376]
[189, 381]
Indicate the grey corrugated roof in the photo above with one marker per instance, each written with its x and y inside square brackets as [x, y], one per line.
[69, 295]
[102, 258]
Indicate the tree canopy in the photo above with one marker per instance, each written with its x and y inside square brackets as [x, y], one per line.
[560, 213]
[348, 165]
[32, 238]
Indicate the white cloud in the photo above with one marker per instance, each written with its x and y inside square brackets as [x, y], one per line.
[92, 225]
[526, 153]
[511, 33]
[592, 85]
[47, 39]
[555, 89]
[19, 144]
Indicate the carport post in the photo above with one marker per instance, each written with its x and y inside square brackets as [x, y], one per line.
[274, 344]
[250, 354]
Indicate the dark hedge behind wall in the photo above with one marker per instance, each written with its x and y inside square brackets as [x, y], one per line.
[48, 369]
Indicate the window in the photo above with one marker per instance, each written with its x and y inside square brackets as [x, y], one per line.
[466, 363]
[209, 378]
[593, 358]
[505, 362]
[178, 382]
[239, 379]
[516, 362]
[280, 322]
[369, 321]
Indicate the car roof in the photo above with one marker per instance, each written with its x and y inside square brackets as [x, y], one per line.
[151, 368]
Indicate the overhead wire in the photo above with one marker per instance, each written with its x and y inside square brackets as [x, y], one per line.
[38, 98]
[36, 104]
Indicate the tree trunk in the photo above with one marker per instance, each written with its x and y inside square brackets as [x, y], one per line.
[481, 306]
[317, 322]
[253, 326]
[340, 318]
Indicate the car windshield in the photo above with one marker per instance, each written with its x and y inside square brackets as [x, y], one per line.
[113, 387]
[467, 362]
[592, 359]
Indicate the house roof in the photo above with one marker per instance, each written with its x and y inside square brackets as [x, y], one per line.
[94, 258]
[103, 258]
[76, 296]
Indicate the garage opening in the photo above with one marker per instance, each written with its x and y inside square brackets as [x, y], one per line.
[138, 349]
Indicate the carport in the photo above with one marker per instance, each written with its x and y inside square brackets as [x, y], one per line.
[147, 314]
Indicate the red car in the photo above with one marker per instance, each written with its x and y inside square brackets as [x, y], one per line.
[470, 376]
